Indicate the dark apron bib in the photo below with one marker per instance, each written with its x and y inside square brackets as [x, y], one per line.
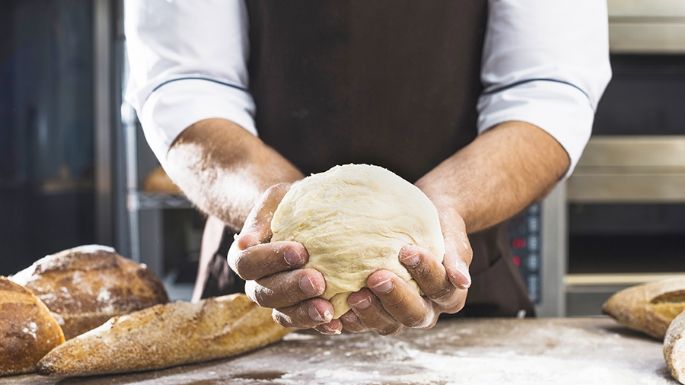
[388, 82]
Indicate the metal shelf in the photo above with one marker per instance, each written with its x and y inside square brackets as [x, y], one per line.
[616, 279]
[155, 201]
[586, 293]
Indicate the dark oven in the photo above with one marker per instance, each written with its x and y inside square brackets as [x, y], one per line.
[626, 199]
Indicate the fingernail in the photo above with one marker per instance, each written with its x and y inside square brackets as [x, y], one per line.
[410, 259]
[383, 287]
[315, 315]
[308, 287]
[463, 279]
[362, 304]
[327, 315]
[292, 258]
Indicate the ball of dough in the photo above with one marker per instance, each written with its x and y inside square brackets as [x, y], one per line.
[353, 220]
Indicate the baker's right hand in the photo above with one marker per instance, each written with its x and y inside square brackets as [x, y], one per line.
[273, 270]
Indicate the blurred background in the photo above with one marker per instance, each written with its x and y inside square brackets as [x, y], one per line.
[75, 168]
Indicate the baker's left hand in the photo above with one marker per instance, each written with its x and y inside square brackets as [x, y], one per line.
[389, 304]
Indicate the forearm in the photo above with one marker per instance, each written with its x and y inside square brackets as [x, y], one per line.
[223, 169]
[497, 175]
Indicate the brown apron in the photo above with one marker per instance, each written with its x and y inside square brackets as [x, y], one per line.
[387, 82]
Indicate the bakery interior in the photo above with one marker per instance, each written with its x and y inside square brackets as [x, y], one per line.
[75, 169]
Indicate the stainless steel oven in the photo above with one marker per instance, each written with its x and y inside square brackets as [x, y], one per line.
[626, 199]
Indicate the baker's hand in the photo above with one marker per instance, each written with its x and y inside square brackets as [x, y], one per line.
[389, 304]
[273, 270]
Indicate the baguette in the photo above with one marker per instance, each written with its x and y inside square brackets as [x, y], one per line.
[166, 335]
[27, 330]
[87, 285]
[648, 308]
[674, 348]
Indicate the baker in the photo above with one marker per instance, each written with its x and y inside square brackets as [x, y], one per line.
[484, 105]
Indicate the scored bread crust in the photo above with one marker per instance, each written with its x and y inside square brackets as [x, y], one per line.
[674, 348]
[87, 285]
[648, 308]
[27, 330]
[166, 335]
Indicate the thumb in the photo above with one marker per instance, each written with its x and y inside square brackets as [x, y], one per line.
[257, 226]
[458, 254]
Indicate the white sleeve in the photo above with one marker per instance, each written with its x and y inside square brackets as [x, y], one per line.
[546, 62]
[187, 62]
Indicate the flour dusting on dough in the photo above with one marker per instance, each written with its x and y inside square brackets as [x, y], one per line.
[353, 220]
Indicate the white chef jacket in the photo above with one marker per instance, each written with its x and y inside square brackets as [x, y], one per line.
[545, 62]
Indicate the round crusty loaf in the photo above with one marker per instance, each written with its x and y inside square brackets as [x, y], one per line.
[87, 285]
[27, 330]
[674, 348]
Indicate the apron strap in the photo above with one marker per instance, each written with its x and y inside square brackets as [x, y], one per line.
[214, 277]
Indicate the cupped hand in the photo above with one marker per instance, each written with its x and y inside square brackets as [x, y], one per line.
[388, 304]
[274, 272]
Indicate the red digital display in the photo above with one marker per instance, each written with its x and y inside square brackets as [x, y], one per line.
[518, 243]
[517, 260]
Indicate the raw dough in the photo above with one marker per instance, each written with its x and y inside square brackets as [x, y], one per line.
[353, 220]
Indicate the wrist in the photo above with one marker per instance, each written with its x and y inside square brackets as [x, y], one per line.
[444, 199]
[453, 226]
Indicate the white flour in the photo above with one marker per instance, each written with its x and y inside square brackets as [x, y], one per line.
[470, 352]
[31, 328]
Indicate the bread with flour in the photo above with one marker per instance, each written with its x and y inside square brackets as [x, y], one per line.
[674, 348]
[27, 330]
[166, 335]
[87, 285]
[648, 308]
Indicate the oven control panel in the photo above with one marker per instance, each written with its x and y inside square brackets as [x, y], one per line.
[525, 240]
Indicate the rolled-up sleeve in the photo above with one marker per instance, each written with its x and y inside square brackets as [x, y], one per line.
[187, 62]
[545, 63]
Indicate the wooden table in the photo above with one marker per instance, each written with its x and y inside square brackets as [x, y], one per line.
[578, 351]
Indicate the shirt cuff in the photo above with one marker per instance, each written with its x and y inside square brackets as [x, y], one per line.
[178, 104]
[562, 110]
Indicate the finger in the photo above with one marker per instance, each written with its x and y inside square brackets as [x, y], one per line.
[266, 259]
[403, 303]
[352, 324]
[457, 303]
[458, 255]
[257, 226]
[304, 315]
[286, 289]
[428, 273]
[330, 328]
[371, 313]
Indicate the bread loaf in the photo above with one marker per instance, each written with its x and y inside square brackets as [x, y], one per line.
[27, 330]
[166, 335]
[159, 182]
[648, 308]
[674, 348]
[87, 285]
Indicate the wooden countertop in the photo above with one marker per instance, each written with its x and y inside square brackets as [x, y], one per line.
[578, 351]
